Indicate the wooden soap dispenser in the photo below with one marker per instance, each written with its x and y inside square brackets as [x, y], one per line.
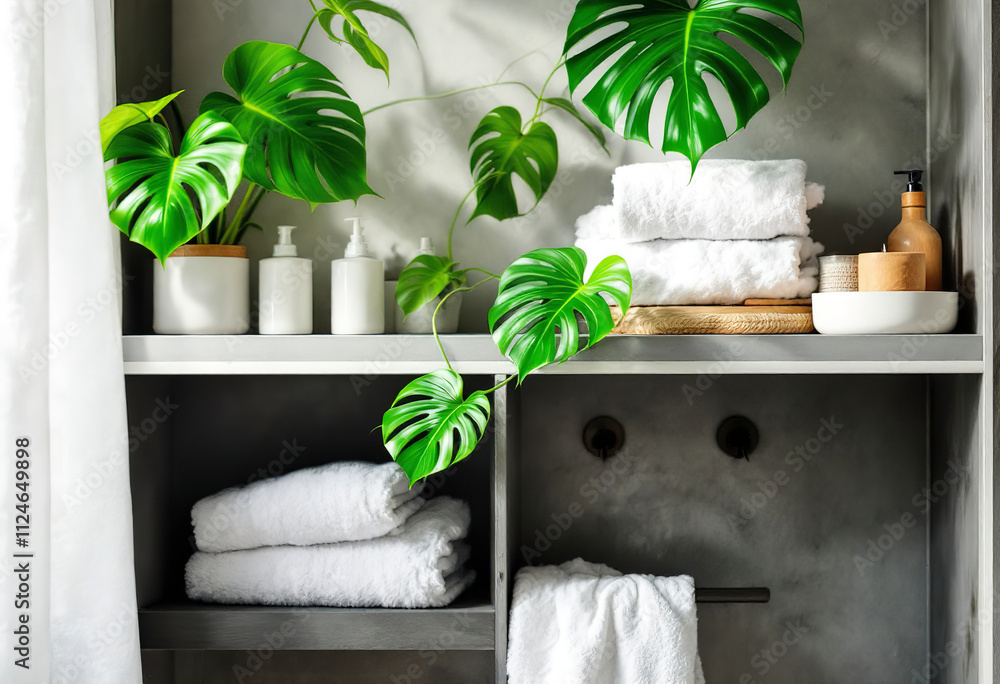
[914, 233]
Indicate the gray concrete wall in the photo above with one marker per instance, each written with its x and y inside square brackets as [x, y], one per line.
[827, 512]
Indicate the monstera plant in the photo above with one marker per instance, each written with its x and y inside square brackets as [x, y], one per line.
[544, 299]
[288, 126]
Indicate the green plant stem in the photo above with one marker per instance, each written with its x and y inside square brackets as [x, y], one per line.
[438, 96]
[176, 111]
[261, 192]
[493, 389]
[522, 57]
[308, 27]
[541, 94]
[454, 220]
[481, 270]
[450, 93]
[240, 217]
[434, 328]
[219, 225]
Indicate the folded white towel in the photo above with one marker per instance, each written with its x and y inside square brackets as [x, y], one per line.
[585, 623]
[336, 502]
[421, 566]
[691, 272]
[725, 200]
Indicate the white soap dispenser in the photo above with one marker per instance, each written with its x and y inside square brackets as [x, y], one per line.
[357, 289]
[286, 296]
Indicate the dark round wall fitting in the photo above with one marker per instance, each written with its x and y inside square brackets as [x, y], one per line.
[603, 437]
[738, 437]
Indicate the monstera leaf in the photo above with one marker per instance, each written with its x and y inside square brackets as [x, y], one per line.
[431, 425]
[153, 191]
[423, 280]
[542, 298]
[355, 33]
[305, 137]
[501, 151]
[661, 40]
[130, 114]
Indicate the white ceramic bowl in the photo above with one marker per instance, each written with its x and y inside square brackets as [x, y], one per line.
[887, 313]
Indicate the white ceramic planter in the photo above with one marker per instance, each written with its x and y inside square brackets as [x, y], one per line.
[419, 322]
[202, 290]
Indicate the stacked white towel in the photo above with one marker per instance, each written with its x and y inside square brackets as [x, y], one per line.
[337, 502]
[588, 624]
[342, 534]
[736, 230]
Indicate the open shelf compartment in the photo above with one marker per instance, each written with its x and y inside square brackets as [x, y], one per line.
[197, 435]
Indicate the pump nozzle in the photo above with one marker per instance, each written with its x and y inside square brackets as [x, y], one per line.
[357, 247]
[426, 246]
[285, 248]
[915, 175]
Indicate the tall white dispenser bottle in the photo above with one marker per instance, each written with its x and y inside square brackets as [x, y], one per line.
[286, 289]
[357, 289]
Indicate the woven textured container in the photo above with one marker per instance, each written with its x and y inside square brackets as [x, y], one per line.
[838, 273]
[713, 320]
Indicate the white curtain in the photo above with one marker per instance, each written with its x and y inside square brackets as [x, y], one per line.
[71, 591]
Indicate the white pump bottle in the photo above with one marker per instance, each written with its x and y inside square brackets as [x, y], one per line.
[357, 289]
[286, 283]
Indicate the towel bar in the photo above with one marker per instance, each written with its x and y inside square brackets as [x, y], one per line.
[740, 595]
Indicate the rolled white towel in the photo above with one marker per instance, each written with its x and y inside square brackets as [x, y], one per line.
[692, 272]
[336, 502]
[421, 566]
[726, 199]
[588, 624]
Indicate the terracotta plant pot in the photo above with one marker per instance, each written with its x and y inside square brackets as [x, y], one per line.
[202, 290]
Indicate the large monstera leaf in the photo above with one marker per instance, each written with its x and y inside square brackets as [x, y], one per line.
[543, 297]
[431, 425]
[354, 32]
[663, 40]
[153, 192]
[305, 136]
[501, 150]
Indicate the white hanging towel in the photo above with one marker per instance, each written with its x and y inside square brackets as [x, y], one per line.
[344, 501]
[726, 199]
[585, 623]
[421, 566]
[693, 272]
